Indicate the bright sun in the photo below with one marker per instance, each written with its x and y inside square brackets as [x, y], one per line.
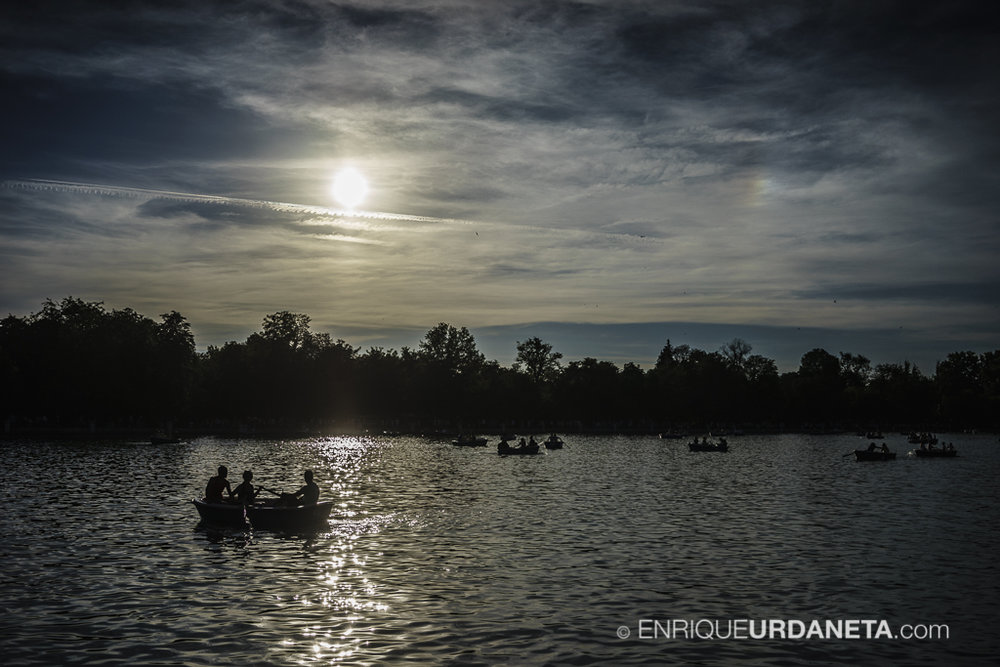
[349, 187]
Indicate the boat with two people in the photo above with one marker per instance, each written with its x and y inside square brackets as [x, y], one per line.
[706, 445]
[554, 442]
[523, 448]
[929, 451]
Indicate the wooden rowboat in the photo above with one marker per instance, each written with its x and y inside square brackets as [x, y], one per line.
[266, 516]
[554, 442]
[504, 449]
[876, 455]
[721, 446]
[936, 453]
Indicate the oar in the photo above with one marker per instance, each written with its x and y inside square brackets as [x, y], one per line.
[269, 490]
[847, 454]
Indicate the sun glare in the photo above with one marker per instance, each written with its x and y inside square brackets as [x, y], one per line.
[349, 187]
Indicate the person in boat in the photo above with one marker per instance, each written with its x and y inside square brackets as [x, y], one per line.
[216, 485]
[521, 443]
[245, 493]
[871, 447]
[884, 449]
[308, 494]
[531, 442]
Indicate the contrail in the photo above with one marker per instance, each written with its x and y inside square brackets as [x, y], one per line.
[344, 216]
[283, 207]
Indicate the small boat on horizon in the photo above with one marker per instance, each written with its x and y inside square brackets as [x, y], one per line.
[523, 449]
[936, 453]
[554, 442]
[705, 445]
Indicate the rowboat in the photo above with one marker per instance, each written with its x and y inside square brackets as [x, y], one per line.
[554, 442]
[721, 446]
[876, 455]
[936, 453]
[266, 516]
[504, 449]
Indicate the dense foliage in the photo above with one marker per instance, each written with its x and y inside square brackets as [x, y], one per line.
[77, 364]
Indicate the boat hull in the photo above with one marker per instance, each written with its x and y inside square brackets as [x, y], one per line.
[707, 448]
[865, 455]
[528, 450]
[265, 517]
[936, 453]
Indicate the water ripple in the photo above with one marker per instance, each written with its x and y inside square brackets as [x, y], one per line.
[439, 554]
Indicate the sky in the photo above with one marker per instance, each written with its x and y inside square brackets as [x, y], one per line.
[605, 175]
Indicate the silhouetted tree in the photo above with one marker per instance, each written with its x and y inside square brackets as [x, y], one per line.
[452, 349]
[901, 394]
[763, 390]
[670, 356]
[76, 363]
[536, 359]
[856, 371]
[448, 362]
[959, 380]
[816, 392]
[587, 390]
[736, 353]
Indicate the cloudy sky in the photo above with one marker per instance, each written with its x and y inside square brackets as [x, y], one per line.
[604, 174]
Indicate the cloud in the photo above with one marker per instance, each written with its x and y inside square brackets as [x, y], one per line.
[593, 162]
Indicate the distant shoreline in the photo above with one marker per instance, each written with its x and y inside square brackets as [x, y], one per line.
[190, 434]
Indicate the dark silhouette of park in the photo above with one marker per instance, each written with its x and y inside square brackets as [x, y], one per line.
[76, 366]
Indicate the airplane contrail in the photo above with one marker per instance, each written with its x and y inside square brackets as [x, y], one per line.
[140, 193]
[344, 216]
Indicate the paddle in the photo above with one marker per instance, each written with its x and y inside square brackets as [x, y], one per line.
[270, 491]
[847, 454]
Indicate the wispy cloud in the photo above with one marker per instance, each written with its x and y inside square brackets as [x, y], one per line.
[602, 162]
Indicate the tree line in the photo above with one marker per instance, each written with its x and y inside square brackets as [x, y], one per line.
[77, 363]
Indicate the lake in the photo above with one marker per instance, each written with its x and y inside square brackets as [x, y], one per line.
[614, 550]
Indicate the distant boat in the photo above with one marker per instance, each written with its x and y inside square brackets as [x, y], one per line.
[163, 440]
[554, 442]
[706, 446]
[265, 516]
[470, 441]
[873, 455]
[935, 453]
[922, 439]
[504, 449]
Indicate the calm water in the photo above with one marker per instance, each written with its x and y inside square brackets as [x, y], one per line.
[439, 554]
